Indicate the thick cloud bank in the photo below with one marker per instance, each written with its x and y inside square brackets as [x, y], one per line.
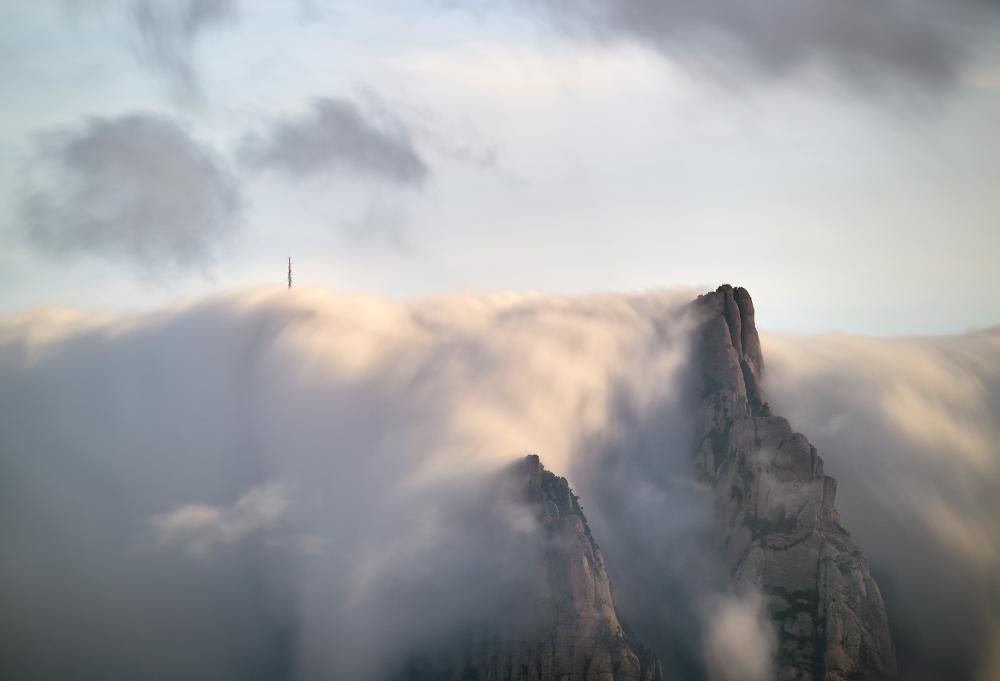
[281, 484]
[275, 485]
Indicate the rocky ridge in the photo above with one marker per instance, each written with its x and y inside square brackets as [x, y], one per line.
[781, 533]
[566, 627]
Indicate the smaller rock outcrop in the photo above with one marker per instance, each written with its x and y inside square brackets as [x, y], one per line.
[566, 628]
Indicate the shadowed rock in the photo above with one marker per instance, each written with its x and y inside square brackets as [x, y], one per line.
[564, 626]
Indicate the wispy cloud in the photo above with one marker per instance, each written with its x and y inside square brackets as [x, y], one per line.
[200, 527]
[169, 31]
[335, 135]
[740, 642]
[136, 187]
[164, 35]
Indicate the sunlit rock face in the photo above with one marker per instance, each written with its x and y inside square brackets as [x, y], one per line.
[781, 533]
[564, 624]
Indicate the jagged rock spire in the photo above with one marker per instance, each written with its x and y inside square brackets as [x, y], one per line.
[780, 531]
[730, 346]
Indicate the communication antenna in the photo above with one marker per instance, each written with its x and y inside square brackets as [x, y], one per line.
[289, 273]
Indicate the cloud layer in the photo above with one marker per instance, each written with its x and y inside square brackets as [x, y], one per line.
[887, 45]
[907, 42]
[136, 187]
[275, 484]
[316, 466]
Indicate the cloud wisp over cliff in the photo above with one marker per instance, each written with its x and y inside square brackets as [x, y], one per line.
[268, 484]
[909, 426]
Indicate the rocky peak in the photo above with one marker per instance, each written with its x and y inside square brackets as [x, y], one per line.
[779, 534]
[780, 531]
[730, 347]
[568, 626]
[551, 497]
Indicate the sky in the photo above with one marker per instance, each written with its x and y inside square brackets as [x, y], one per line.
[841, 162]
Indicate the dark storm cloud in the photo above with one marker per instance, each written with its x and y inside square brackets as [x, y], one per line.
[169, 31]
[137, 187]
[866, 42]
[335, 135]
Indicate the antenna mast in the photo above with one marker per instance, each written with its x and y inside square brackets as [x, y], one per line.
[289, 273]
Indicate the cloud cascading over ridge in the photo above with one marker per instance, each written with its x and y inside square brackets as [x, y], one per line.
[136, 187]
[147, 462]
[910, 429]
[335, 135]
[298, 485]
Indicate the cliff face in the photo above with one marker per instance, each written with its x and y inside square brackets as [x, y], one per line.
[564, 627]
[780, 534]
[780, 530]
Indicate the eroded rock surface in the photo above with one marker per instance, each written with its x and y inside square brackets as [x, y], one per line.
[564, 626]
[780, 529]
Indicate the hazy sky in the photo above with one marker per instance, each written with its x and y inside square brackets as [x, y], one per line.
[842, 162]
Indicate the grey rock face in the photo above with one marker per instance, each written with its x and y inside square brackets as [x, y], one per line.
[780, 529]
[566, 627]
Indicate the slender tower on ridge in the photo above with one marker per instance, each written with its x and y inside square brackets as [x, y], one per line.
[289, 273]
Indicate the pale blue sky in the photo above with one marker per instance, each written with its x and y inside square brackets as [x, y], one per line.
[555, 162]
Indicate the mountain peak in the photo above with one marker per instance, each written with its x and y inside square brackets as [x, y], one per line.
[781, 534]
[732, 357]
[568, 627]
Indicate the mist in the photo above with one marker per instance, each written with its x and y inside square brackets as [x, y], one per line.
[910, 428]
[269, 484]
[290, 485]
